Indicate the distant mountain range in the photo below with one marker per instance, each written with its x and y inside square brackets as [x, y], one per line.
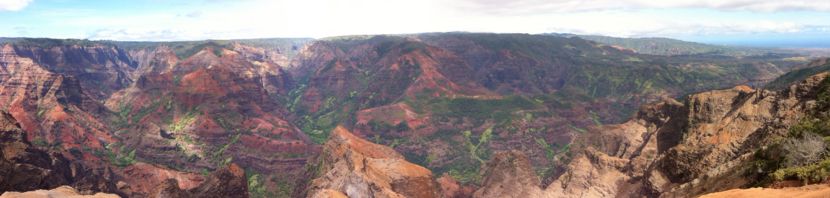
[674, 47]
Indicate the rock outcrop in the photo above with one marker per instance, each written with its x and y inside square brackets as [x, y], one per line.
[62, 191]
[670, 149]
[509, 174]
[25, 168]
[141, 179]
[674, 149]
[225, 182]
[53, 95]
[353, 167]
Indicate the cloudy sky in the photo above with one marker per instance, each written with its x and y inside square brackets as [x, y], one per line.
[784, 23]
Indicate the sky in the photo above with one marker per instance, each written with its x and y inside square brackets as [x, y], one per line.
[767, 23]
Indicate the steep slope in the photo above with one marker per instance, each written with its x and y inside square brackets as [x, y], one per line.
[188, 107]
[24, 167]
[102, 68]
[448, 101]
[509, 174]
[215, 107]
[714, 141]
[46, 90]
[815, 67]
[226, 182]
[353, 167]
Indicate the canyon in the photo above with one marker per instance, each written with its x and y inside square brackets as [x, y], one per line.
[423, 115]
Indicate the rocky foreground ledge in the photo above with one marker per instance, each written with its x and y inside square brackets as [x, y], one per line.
[63, 191]
[811, 191]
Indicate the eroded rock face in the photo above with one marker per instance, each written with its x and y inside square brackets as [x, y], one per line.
[181, 110]
[355, 167]
[225, 182]
[52, 95]
[509, 174]
[172, 111]
[25, 168]
[141, 179]
[677, 150]
[105, 68]
[670, 149]
[450, 188]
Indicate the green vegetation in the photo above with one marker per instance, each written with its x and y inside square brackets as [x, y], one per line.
[124, 156]
[183, 122]
[144, 111]
[476, 151]
[577, 129]
[803, 154]
[463, 169]
[256, 186]
[498, 110]
[547, 79]
[40, 111]
[218, 155]
[789, 78]
[185, 49]
[319, 129]
[813, 173]
[384, 127]
[333, 111]
[40, 142]
[549, 152]
[807, 125]
[48, 43]
[595, 118]
[819, 120]
[666, 46]
[465, 175]
[125, 159]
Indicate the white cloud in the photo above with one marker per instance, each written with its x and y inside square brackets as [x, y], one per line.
[13, 5]
[638, 24]
[280, 18]
[546, 6]
[322, 18]
[135, 35]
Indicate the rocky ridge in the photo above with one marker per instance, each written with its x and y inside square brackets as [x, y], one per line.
[353, 167]
[225, 182]
[25, 168]
[42, 91]
[671, 149]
